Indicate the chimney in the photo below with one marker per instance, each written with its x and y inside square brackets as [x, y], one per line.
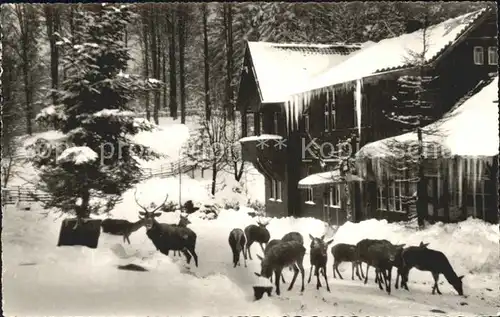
[413, 25]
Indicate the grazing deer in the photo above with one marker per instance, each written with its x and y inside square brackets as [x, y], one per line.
[183, 222]
[269, 245]
[121, 227]
[382, 256]
[237, 242]
[289, 253]
[434, 261]
[319, 258]
[256, 233]
[167, 237]
[399, 263]
[361, 249]
[343, 252]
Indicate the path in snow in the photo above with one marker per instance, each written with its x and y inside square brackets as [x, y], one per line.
[42, 279]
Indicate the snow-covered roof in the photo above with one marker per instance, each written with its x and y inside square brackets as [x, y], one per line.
[395, 53]
[261, 137]
[324, 178]
[281, 69]
[470, 129]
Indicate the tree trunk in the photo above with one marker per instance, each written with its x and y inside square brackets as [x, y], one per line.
[164, 63]
[172, 65]
[421, 186]
[146, 56]
[83, 210]
[52, 21]
[182, 74]
[24, 26]
[154, 57]
[207, 65]
[228, 19]
[214, 177]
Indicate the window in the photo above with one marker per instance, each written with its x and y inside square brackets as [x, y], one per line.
[306, 122]
[275, 125]
[309, 195]
[330, 114]
[390, 197]
[492, 55]
[276, 191]
[333, 197]
[478, 55]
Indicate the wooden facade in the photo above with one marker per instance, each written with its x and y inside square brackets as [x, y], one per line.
[329, 119]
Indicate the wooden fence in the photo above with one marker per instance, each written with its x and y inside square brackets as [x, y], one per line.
[17, 194]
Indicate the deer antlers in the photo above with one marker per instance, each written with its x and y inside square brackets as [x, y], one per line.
[262, 223]
[144, 208]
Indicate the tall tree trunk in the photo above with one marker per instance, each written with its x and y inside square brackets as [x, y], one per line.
[182, 73]
[206, 63]
[145, 33]
[52, 21]
[229, 61]
[172, 64]
[421, 185]
[24, 30]
[164, 61]
[154, 56]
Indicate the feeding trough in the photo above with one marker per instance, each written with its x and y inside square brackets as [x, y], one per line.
[86, 233]
[259, 291]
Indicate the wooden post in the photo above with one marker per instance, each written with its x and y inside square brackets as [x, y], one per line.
[446, 195]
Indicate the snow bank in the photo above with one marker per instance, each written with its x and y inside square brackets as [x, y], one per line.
[471, 129]
[471, 246]
[78, 155]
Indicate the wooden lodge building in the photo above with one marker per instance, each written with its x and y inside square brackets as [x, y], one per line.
[298, 101]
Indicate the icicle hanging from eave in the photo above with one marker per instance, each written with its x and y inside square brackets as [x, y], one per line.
[358, 101]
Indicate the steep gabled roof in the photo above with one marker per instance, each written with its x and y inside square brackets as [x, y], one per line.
[469, 129]
[280, 69]
[396, 53]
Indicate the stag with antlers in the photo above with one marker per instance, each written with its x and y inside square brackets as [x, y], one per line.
[167, 237]
[257, 233]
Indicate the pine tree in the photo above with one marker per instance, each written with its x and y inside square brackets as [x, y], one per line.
[95, 159]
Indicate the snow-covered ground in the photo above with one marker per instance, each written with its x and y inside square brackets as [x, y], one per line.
[40, 279]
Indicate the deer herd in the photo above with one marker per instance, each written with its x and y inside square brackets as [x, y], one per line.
[289, 252]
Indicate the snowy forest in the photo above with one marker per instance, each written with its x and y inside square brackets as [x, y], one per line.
[196, 50]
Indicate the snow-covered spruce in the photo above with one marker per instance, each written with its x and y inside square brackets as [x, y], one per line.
[94, 115]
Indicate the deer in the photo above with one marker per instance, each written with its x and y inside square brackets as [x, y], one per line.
[382, 255]
[288, 253]
[237, 241]
[433, 261]
[256, 233]
[121, 227]
[167, 237]
[269, 245]
[343, 252]
[399, 263]
[319, 258]
[183, 222]
[293, 236]
[361, 249]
